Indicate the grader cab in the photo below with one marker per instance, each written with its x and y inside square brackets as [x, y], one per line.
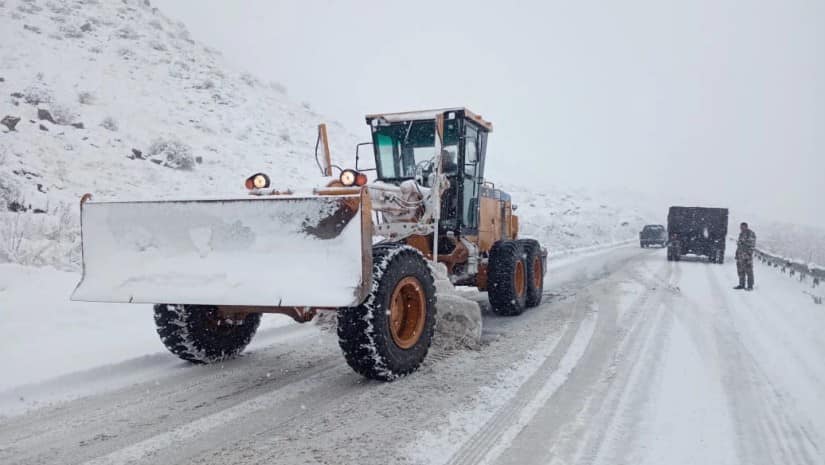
[357, 247]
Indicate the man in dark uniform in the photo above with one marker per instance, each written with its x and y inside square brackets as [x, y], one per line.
[744, 257]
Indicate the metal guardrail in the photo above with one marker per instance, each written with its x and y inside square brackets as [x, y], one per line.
[793, 268]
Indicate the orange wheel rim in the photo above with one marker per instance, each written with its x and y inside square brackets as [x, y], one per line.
[408, 312]
[537, 277]
[519, 279]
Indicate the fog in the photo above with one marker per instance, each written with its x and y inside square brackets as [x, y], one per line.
[716, 103]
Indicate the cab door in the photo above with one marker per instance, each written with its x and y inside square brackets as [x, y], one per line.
[471, 180]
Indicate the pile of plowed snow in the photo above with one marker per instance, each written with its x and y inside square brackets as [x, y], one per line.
[459, 319]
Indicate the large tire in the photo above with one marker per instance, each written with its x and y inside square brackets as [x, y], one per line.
[535, 271]
[507, 278]
[200, 334]
[389, 335]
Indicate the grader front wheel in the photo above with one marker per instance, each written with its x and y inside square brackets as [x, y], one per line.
[408, 308]
[389, 334]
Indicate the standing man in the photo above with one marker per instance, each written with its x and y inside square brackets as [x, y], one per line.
[744, 257]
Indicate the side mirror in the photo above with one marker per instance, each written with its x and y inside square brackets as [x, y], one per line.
[358, 157]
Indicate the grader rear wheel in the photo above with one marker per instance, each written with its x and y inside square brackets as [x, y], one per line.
[535, 271]
[507, 278]
[520, 278]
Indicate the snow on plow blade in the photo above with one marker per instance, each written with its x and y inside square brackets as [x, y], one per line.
[258, 251]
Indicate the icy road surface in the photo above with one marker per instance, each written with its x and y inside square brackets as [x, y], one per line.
[631, 359]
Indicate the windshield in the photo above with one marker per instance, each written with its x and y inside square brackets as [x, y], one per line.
[401, 147]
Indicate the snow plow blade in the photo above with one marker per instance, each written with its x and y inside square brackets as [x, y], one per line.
[275, 251]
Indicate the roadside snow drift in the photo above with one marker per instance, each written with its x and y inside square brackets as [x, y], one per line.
[459, 322]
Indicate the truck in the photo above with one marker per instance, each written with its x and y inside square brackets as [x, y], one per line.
[365, 250]
[697, 230]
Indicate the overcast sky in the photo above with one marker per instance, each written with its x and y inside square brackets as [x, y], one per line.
[712, 102]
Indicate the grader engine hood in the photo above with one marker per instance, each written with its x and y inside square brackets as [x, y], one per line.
[263, 251]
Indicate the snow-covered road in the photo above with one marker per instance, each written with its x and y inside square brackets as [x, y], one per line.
[631, 359]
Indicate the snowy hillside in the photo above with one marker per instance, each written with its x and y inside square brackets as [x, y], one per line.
[116, 99]
[564, 219]
[802, 243]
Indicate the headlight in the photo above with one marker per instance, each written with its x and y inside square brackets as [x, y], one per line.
[348, 177]
[257, 181]
[260, 181]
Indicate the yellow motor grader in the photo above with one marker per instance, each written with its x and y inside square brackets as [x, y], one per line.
[362, 249]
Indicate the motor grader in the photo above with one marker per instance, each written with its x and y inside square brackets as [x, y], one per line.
[364, 249]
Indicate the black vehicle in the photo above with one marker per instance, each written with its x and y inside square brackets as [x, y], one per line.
[653, 234]
[698, 231]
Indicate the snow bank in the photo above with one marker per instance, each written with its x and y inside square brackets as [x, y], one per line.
[44, 335]
[459, 319]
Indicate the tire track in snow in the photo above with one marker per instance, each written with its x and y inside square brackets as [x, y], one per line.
[510, 420]
[107, 379]
[766, 432]
[779, 326]
[611, 436]
[789, 326]
[504, 428]
[556, 379]
[346, 419]
[285, 404]
[87, 428]
[600, 408]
